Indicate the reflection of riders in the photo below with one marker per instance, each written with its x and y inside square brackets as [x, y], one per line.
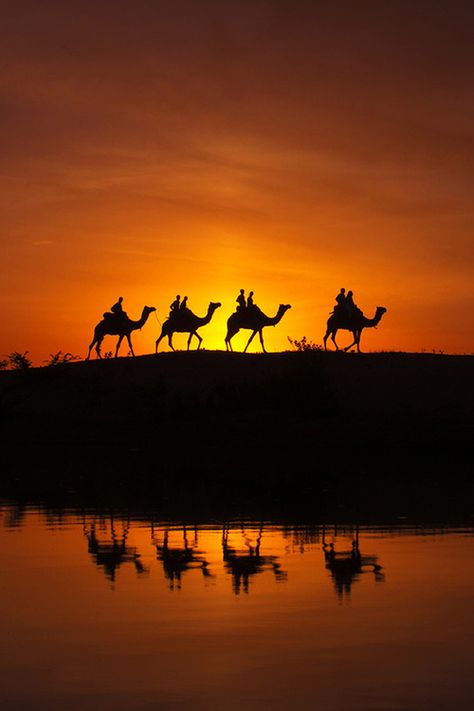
[241, 301]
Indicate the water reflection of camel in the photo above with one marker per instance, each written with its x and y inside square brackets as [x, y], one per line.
[176, 560]
[252, 319]
[184, 321]
[242, 566]
[355, 325]
[113, 551]
[346, 566]
[118, 325]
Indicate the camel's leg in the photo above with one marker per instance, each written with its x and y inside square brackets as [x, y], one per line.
[170, 341]
[90, 348]
[325, 339]
[120, 338]
[333, 339]
[250, 340]
[97, 347]
[355, 342]
[260, 333]
[230, 334]
[130, 345]
[194, 333]
[158, 341]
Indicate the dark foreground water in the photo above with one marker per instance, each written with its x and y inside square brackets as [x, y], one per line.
[109, 611]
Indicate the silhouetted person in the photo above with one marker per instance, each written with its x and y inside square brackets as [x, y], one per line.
[184, 304]
[250, 303]
[241, 301]
[175, 305]
[341, 298]
[117, 309]
[349, 304]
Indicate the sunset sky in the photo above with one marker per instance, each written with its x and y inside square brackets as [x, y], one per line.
[200, 146]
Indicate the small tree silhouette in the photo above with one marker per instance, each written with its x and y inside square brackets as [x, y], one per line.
[19, 361]
[304, 344]
[3, 364]
[59, 358]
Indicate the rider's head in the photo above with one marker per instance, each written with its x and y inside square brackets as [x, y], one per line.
[120, 299]
[349, 293]
[343, 291]
[242, 291]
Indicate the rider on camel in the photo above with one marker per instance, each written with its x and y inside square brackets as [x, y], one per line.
[241, 301]
[116, 311]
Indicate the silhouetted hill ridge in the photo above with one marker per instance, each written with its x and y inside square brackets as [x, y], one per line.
[291, 425]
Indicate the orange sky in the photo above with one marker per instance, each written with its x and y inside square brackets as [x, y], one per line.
[200, 147]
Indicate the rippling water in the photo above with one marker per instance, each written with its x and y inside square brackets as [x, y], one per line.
[109, 611]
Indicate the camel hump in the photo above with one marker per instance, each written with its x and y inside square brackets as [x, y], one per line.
[179, 314]
[252, 310]
[113, 318]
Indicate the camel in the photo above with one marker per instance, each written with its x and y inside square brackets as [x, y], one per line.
[254, 320]
[184, 321]
[356, 325]
[120, 326]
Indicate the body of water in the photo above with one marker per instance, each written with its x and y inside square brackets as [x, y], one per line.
[105, 610]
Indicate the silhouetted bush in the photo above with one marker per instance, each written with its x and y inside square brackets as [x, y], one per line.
[3, 364]
[19, 361]
[304, 344]
[59, 358]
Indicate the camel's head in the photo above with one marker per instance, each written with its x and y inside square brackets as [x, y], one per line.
[149, 309]
[283, 308]
[381, 310]
[214, 305]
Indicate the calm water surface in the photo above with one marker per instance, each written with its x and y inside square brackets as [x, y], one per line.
[107, 611]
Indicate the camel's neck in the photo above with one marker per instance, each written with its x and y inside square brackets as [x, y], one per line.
[141, 322]
[205, 319]
[370, 322]
[276, 319]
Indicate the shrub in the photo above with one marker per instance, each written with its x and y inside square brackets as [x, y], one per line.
[59, 358]
[304, 344]
[19, 361]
